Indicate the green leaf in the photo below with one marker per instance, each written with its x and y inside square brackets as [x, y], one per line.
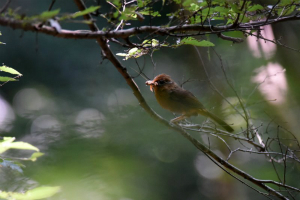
[154, 14]
[229, 21]
[36, 193]
[48, 14]
[187, 3]
[86, 11]
[140, 3]
[221, 10]
[194, 7]
[235, 8]
[9, 70]
[23, 145]
[193, 41]
[5, 79]
[8, 143]
[285, 2]
[129, 14]
[290, 10]
[35, 155]
[255, 7]
[218, 18]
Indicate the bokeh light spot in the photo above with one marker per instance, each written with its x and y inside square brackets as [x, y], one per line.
[27, 101]
[7, 116]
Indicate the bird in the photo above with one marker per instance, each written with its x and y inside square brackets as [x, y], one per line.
[174, 98]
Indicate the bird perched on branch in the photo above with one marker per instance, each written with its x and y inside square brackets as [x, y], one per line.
[178, 100]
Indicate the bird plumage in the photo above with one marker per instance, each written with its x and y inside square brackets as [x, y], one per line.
[178, 100]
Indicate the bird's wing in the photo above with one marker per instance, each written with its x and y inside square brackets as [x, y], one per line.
[186, 98]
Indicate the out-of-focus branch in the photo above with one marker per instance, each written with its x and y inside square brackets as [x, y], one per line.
[233, 39]
[5, 6]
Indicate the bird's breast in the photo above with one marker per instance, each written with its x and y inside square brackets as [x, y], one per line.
[164, 98]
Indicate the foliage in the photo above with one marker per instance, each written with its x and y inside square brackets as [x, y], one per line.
[4, 68]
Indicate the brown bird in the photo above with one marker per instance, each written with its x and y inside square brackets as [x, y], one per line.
[178, 100]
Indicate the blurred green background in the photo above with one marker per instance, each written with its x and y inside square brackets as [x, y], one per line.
[100, 144]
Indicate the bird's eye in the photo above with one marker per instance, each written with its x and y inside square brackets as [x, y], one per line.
[161, 82]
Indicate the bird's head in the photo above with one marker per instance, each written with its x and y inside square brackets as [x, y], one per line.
[159, 80]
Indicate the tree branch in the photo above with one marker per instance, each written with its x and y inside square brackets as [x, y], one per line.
[125, 33]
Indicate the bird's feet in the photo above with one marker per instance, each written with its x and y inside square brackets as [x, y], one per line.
[178, 119]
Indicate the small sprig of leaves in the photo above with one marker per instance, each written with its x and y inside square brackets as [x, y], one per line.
[153, 45]
[13, 163]
[6, 79]
[144, 48]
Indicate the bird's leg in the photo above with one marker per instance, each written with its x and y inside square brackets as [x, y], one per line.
[178, 119]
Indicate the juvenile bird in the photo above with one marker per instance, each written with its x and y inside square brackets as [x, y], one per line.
[178, 100]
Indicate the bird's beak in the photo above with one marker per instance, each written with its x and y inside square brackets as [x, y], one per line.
[152, 84]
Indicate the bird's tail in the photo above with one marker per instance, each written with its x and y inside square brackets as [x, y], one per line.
[217, 119]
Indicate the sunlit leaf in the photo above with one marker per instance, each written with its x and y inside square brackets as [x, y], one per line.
[194, 7]
[86, 11]
[23, 145]
[49, 14]
[8, 143]
[133, 51]
[9, 70]
[35, 155]
[150, 43]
